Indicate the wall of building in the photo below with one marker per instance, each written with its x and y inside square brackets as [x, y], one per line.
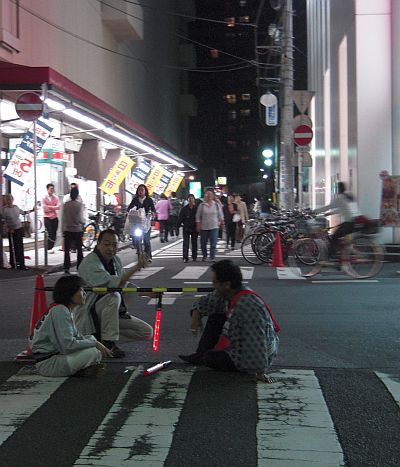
[126, 59]
[351, 74]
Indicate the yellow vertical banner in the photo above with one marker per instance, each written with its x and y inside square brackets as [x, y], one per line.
[116, 175]
[174, 183]
[154, 177]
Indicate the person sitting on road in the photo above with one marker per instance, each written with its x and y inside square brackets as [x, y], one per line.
[344, 205]
[240, 334]
[106, 315]
[58, 347]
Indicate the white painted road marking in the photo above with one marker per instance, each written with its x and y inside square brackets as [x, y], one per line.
[289, 273]
[21, 396]
[392, 384]
[295, 428]
[146, 434]
[353, 281]
[146, 272]
[191, 272]
[247, 272]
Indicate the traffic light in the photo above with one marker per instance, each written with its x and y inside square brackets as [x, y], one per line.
[269, 157]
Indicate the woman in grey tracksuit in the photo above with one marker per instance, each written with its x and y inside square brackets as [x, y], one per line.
[58, 347]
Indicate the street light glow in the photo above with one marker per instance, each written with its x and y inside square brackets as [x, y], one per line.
[268, 153]
[268, 162]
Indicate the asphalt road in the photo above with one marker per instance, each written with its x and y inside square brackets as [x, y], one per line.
[335, 399]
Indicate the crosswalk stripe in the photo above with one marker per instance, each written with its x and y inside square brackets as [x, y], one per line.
[191, 272]
[165, 301]
[147, 272]
[392, 384]
[295, 428]
[129, 435]
[21, 395]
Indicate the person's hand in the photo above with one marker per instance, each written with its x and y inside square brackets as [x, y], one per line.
[105, 353]
[196, 324]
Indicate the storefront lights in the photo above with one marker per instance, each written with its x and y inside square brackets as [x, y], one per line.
[54, 105]
[84, 119]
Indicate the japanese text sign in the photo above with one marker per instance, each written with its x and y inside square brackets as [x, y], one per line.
[116, 175]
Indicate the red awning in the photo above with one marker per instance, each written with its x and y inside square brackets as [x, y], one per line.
[19, 77]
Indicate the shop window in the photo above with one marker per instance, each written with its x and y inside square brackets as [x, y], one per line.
[245, 112]
[214, 53]
[245, 97]
[230, 22]
[244, 19]
[232, 115]
[230, 98]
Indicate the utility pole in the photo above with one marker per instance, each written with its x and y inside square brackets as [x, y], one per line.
[286, 176]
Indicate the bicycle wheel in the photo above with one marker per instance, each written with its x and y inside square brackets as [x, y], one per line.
[362, 258]
[264, 246]
[248, 249]
[304, 257]
[89, 235]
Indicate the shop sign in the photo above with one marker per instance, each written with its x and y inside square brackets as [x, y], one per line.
[138, 177]
[163, 183]
[154, 177]
[116, 175]
[22, 160]
[173, 184]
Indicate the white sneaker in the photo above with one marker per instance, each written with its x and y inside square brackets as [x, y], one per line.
[51, 252]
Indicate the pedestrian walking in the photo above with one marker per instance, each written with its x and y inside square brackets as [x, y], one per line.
[174, 210]
[231, 217]
[162, 209]
[209, 218]
[73, 222]
[11, 213]
[143, 200]
[51, 206]
[244, 217]
[187, 218]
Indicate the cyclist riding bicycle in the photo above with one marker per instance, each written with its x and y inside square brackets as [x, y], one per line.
[344, 205]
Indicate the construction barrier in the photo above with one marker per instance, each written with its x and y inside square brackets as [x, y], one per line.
[39, 307]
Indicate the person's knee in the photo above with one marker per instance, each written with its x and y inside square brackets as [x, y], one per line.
[110, 302]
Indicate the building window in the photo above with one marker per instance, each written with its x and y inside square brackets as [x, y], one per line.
[244, 19]
[232, 115]
[230, 22]
[245, 112]
[230, 98]
[214, 53]
[232, 144]
[245, 97]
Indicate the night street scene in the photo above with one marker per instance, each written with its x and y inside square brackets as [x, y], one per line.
[199, 233]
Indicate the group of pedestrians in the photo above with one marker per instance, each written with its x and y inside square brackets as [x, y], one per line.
[72, 225]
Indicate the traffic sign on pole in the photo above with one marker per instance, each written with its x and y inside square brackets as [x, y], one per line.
[303, 135]
[29, 106]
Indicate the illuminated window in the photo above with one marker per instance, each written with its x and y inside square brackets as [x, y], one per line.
[245, 112]
[244, 19]
[214, 53]
[242, 3]
[230, 22]
[230, 98]
[245, 97]
[232, 115]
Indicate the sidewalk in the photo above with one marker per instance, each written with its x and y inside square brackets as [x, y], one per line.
[54, 261]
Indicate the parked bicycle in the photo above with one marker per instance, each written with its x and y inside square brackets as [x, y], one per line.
[103, 220]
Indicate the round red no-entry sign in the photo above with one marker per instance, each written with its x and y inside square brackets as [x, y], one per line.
[303, 135]
[29, 106]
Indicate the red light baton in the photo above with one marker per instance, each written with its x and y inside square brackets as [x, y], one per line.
[157, 330]
[155, 368]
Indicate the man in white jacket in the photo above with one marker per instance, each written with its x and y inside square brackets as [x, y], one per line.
[106, 315]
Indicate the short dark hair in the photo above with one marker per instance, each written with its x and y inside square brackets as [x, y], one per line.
[65, 288]
[103, 233]
[163, 196]
[146, 190]
[226, 270]
[173, 194]
[74, 193]
[49, 185]
[191, 196]
[341, 187]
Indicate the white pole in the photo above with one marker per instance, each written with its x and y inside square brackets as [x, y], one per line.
[35, 194]
[300, 179]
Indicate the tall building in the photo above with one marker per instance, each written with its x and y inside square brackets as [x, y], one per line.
[239, 52]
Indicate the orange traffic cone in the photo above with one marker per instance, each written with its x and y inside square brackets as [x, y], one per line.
[277, 258]
[39, 308]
